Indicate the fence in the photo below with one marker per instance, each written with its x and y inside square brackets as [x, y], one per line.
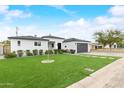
[6, 49]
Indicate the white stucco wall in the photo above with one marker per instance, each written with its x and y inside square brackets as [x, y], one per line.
[28, 45]
[107, 46]
[73, 45]
[56, 42]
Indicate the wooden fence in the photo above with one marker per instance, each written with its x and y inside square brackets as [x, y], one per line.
[6, 49]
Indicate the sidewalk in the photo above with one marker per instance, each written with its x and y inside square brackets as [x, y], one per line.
[110, 76]
[105, 54]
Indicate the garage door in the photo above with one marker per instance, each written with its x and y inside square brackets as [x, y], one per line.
[82, 47]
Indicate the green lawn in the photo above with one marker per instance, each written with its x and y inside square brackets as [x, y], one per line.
[30, 72]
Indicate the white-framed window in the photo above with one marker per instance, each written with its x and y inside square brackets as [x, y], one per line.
[19, 43]
[37, 43]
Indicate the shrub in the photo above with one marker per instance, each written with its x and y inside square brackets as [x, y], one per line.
[10, 55]
[60, 51]
[20, 53]
[55, 51]
[49, 51]
[28, 53]
[72, 51]
[40, 52]
[35, 52]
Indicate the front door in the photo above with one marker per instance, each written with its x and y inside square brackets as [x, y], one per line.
[59, 46]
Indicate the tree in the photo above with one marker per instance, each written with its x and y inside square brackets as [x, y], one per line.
[101, 38]
[6, 42]
[109, 37]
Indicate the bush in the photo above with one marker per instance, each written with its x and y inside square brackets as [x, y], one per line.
[72, 51]
[48, 52]
[55, 51]
[35, 52]
[60, 51]
[10, 55]
[20, 53]
[40, 52]
[28, 53]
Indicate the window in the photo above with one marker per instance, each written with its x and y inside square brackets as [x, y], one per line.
[37, 43]
[52, 45]
[19, 43]
[65, 46]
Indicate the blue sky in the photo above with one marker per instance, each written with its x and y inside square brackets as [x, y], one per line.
[50, 14]
[66, 21]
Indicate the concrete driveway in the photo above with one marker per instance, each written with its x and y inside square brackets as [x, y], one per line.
[110, 76]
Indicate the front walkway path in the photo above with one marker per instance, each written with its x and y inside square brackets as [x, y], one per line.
[105, 53]
[109, 76]
[1, 57]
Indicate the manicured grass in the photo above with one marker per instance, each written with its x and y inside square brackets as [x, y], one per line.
[30, 72]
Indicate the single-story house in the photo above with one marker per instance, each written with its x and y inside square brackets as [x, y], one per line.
[28, 43]
[77, 44]
[48, 42]
[99, 46]
[54, 42]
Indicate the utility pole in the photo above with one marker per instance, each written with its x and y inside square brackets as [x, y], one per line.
[17, 31]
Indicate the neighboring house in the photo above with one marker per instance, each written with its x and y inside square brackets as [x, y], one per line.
[113, 46]
[99, 46]
[48, 42]
[77, 44]
[28, 43]
[54, 42]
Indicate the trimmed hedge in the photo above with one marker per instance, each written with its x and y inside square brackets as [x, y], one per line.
[20, 53]
[35, 52]
[60, 51]
[40, 52]
[72, 51]
[48, 52]
[55, 51]
[10, 55]
[28, 53]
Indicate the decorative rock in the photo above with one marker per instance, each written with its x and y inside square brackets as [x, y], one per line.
[47, 61]
[89, 69]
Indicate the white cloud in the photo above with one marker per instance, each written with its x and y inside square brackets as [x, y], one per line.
[4, 8]
[80, 28]
[9, 30]
[9, 14]
[84, 29]
[62, 8]
[117, 11]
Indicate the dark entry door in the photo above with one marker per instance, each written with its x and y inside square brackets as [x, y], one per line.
[82, 47]
[59, 45]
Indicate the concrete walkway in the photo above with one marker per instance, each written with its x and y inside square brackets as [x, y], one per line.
[110, 76]
[1, 57]
[105, 54]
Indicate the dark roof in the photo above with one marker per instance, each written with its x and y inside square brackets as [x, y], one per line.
[75, 39]
[49, 36]
[28, 38]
